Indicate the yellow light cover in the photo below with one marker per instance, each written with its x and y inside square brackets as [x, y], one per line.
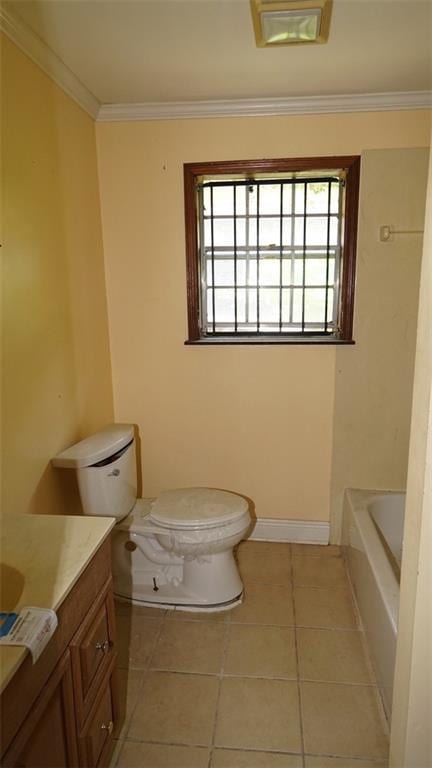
[293, 21]
[290, 26]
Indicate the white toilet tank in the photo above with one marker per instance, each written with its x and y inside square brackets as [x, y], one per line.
[105, 464]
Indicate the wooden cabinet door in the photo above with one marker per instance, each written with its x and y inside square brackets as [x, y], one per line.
[93, 651]
[47, 738]
[96, 738]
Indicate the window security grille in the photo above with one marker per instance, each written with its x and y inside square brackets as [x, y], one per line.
[270, 256]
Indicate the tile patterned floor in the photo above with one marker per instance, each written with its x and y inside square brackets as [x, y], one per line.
[282, 681]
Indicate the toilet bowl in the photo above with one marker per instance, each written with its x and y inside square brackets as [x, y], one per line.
[173, 551]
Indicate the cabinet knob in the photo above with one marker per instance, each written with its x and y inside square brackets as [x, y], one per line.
[104, 647]
[108, 727]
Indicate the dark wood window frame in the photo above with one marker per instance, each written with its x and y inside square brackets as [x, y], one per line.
[194, 171]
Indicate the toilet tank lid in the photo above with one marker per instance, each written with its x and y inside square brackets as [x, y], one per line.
[95, 448]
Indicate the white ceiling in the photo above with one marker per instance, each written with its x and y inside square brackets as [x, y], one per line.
[132, 51]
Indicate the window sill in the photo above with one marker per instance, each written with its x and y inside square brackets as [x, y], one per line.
[269, 340]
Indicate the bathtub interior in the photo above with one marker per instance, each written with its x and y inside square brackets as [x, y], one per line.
[387, 512]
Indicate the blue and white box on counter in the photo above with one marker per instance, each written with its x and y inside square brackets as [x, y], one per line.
[31, 627]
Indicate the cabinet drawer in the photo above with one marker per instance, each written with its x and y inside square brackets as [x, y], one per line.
[97, 734]
[92, 653]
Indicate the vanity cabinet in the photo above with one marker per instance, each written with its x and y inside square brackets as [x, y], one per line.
[47, 737]
[61, 712]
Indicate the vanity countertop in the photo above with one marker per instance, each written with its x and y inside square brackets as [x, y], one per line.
[41, 558]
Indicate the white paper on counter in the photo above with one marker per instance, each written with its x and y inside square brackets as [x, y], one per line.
[33, 628]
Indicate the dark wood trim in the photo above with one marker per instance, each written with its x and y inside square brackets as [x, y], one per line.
[192, 261]
[349, 250]
[275, 165]
[241, 340]
[192, 171]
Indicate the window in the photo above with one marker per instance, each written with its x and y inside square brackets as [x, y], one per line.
[271, 250]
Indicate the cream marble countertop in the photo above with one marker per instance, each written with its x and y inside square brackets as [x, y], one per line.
[41, 558]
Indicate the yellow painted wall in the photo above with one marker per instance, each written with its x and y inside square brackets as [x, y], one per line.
[411, 736]
[373, 385]
[257, 420]
[56, 365]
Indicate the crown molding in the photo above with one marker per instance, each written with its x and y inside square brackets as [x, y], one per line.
[302, 105]
[33, 46]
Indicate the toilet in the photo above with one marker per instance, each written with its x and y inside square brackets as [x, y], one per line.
[175, 551]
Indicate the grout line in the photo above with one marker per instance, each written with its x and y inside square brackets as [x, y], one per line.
[378, 760]
[221, 675]
[348, 683]
[226, 622]
[145, 670]
[265, 583]
[291, 626]
[268, 624]
[328, 587]
[204, 620]
[206, 746]
[276, 678]
[367, 651]
[116, 751]
[297, 668]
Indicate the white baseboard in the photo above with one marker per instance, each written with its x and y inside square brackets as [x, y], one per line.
[296, 531]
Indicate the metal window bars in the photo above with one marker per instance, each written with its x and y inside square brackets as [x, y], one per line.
[270, 256]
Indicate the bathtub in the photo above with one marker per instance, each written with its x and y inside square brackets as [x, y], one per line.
[372, 540]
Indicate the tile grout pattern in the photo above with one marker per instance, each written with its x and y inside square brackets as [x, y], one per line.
[297, 668]
[285, 568]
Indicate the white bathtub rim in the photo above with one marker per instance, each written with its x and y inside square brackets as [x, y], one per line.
[385, 578]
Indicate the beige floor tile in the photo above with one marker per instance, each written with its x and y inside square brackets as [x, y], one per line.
[268, 568]
[326, 572]
[136, 638]
[233, 758]
[342, 720]
[129, 682]
[262, 651]
[198, 615]
[341, 762]
[138, 755]
[258, 714]
[324, 608]
[190, 647]
[115, 752]
[265, 604]
[331, 550]
[271, 548]
[128, 609]
[332, 655]
[175, 708]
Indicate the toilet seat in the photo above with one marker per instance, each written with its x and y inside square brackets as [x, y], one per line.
[197, 508]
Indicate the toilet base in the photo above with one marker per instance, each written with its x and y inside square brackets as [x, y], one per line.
[146, 603]
[207, 583]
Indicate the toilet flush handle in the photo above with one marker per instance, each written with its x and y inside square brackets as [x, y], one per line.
[114, 473]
